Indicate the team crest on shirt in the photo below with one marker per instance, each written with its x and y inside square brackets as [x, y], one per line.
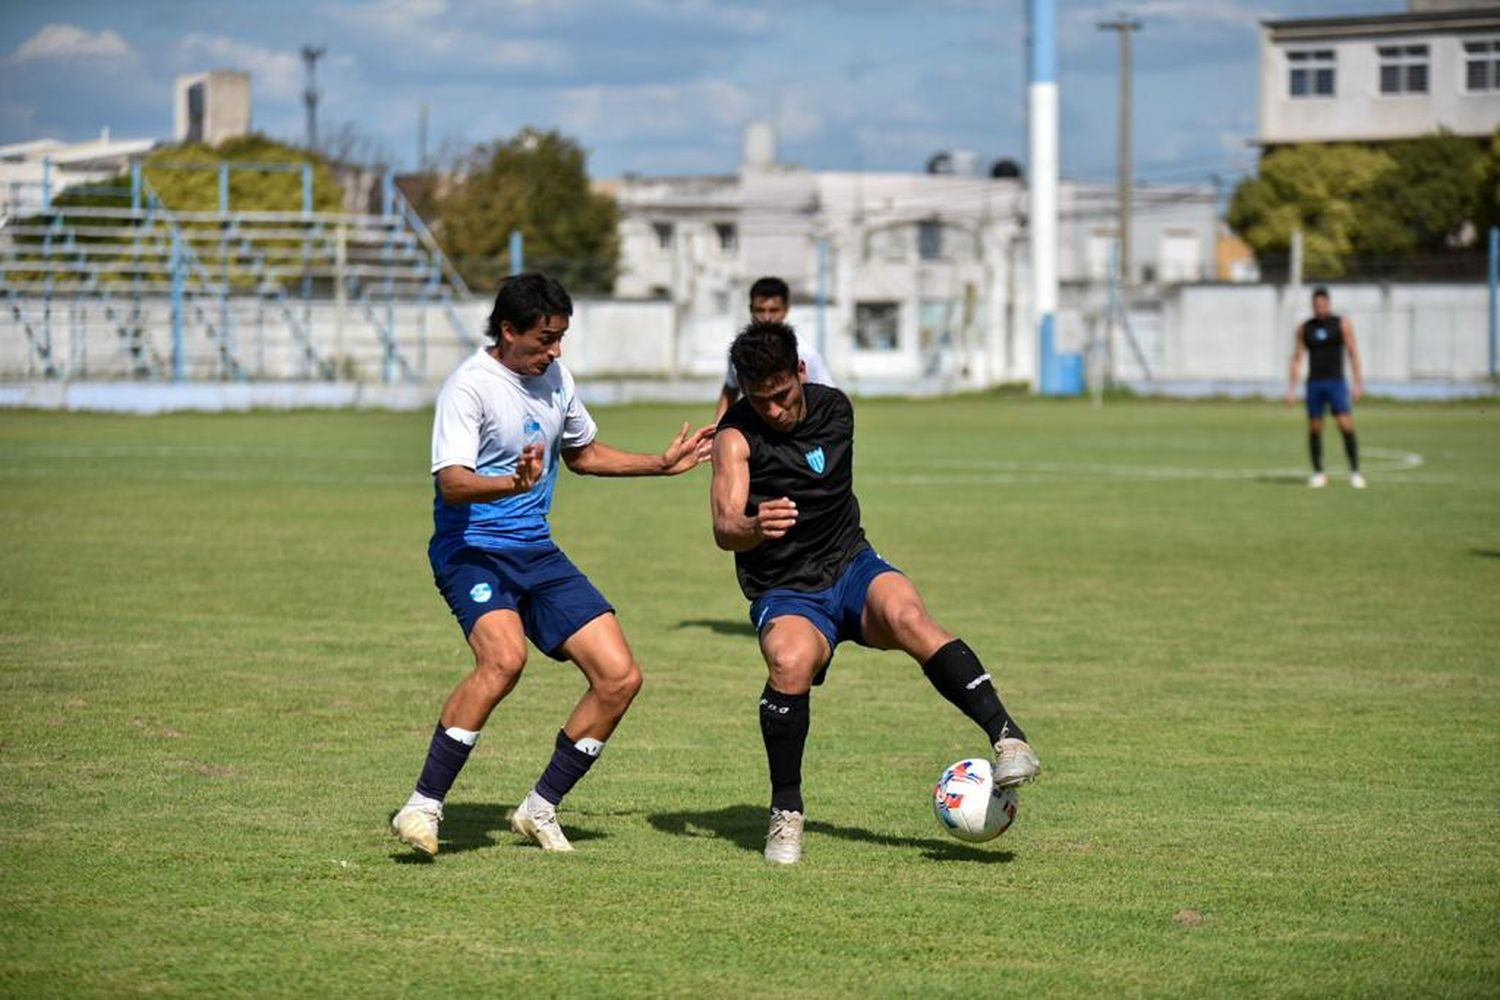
[481, 593]
[815, 460]
[1322, 334]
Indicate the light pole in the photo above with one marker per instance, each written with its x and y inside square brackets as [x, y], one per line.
[1042, 183]
[1126, 26]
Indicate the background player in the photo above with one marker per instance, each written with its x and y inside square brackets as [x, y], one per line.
[503, 419]
[769, 303]
[783, 502]
[1325, 338]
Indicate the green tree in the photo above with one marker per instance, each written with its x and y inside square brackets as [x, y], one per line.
[1317, 188]
[1423, 205]
[536, 182]
[1487, 196]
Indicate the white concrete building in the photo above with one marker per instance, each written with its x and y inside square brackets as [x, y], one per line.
[211, 107]
[921, 275]
[1381, 77]
[32, 171]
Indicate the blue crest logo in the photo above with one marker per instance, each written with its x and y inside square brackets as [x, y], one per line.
[480, 593]
[815, 460]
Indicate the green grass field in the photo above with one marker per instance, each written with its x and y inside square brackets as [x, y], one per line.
[1269, 718]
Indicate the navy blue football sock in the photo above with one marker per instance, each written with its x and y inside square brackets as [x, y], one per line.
[445, 758]
[1315, 448]
[1351, 448]
[568, 766]
[784, 721]
[959, 676]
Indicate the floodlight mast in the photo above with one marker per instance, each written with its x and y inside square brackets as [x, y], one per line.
[310, 56]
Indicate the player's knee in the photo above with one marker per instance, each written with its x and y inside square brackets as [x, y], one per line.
[499, 671]
[909, 621]
[619, 687]
[790, 672]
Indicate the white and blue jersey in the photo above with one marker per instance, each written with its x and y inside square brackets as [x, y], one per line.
[485, 415]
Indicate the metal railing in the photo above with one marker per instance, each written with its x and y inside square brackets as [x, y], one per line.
[176, 289]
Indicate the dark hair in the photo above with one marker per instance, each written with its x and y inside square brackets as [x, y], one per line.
[524, 299]
[763, 351]
[770, 288]
[1321, 290]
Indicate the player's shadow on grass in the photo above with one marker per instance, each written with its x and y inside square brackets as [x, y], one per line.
[1281, 479]
[719, 626]
[1486, 553]
[745, 827]
[470, 826]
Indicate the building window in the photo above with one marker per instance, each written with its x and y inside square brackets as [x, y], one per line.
[729, 237]
[930, 240]
[663, 231]
[876, 325]
[1311, 72]
[1403, 69]
[1482, 65]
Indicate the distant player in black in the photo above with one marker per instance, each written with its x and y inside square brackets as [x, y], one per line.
[1324, 339]
[783, 502]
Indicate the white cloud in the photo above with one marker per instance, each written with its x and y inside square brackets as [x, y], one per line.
[655, 110]
[426, 35]
[68, 41]
[273, 73]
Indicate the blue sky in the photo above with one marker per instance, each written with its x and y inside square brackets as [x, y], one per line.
[662, 86]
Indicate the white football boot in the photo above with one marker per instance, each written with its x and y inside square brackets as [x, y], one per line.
[1015, 762]
[1317, 480]
[536, 818]
[1357, 481]
[416, 825]
[784, 839]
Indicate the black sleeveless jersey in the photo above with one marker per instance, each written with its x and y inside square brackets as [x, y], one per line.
[814, 466]
[1324, 340]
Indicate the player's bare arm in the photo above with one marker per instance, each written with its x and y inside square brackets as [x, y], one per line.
[1356, 367]
[686, 451]
[733, 529]
[460, 484]
[1297, 349]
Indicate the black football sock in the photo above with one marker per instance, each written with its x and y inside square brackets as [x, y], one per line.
[1351, 448]
[1315, 446]
[570, 762]
[959, 676]
[784, 721]
[446, 756]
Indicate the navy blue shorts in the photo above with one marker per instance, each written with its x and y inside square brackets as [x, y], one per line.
[1330, 393]
[835, 611]
[552, 596]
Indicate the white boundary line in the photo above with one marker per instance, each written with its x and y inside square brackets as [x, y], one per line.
[1389, 465]
[1394, 462]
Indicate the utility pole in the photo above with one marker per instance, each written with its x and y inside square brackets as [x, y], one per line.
[1126, 26]
[310, 56]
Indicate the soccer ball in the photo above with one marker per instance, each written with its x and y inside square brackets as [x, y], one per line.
[969, 806]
